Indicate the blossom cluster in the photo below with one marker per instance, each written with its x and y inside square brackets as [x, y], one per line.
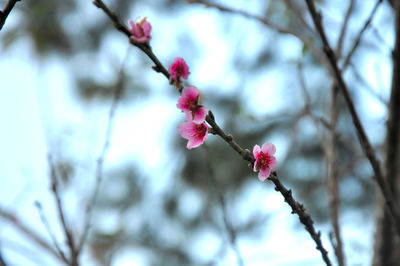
[195, 130]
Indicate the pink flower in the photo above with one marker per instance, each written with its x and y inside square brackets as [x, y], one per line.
[195, 133]
[188, 102]
[265, 160]
[140, 31]
[179, 69]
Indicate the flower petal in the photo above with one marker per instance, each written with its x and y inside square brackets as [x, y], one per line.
[186, 130]
[256, 151]
[255, 167]
[190, 92]
[272, 162]
[264, 173]
[193, 143]
[205, 133]
[200, 115]
[268, 148]
[142, 39]
[134, 29]
[189, 116]
[146, 27]
[194, 133]
[182, 104]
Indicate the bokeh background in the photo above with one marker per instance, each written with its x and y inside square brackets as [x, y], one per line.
[60, 63]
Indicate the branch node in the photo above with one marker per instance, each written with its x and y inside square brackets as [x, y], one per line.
[157, 69]
[212, 131]
[211, 115]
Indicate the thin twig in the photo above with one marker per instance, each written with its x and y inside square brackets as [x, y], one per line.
[6, 11]
[358, 38]
[73, 261]
[332, 176]
[28, 232]
[344, 29]
[304, 218]
[50, 232]
[367, 86]
[244, 153]
[329, 148]
[305, 39]
[229, 228]
[364, 141]
[100, 160]
[142, 46]
[2, 261]
[298, 10]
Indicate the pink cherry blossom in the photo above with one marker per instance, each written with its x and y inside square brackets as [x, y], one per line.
[179, 69]
[265, 161]
[195, 133]
[140, 31]
[188, 102]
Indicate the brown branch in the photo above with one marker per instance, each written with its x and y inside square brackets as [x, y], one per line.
[228, 138]
[364, 141]
[329, 149]
[332, 176]
[367, 86]
[304, 218]
[142, 46]
[297, 208]
[216, 130]
[6, 11]
[393, 125]
[100, 160]
[387, 246]
[2, 261]
[28, 232]
[358, 38]
[228, 227]
[73, 260]
[50, 232]
[344, 28]
[304, 39]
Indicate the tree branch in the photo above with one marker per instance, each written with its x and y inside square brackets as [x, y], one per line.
[142, 46]
[29, 232]
[244, 153]
[6, 11]
[306, 40]
[332, 176]
[344, 29]
[358, 38]
[73, 261]
[387, 246]
[304, 218]
[228, 227]
[364, 141]
[50, 232]
[2, 261]
[100, 160]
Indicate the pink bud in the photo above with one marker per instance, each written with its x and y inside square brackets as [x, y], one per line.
[140, 31]
[179, 69]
